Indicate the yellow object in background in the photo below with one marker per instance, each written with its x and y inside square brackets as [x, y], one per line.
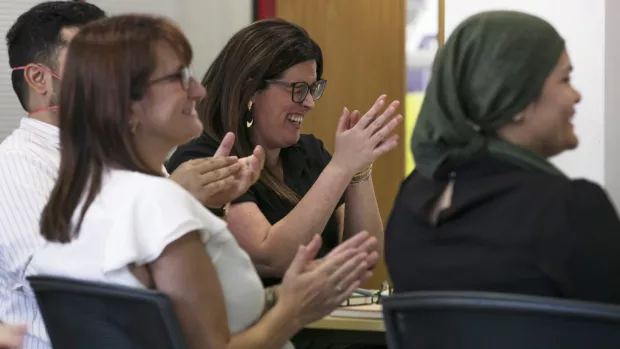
[413, 103]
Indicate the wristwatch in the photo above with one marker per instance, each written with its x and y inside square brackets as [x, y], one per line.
[221, 211]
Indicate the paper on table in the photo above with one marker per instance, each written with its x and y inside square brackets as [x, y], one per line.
[369, 311]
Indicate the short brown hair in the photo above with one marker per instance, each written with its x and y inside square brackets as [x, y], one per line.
[35, 37]
[109, 64]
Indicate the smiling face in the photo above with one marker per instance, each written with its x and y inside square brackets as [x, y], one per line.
[277, 117]
[167, 112]
[550, 117]
[545, 126]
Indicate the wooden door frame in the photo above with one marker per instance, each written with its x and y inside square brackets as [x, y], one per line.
[262, 9]
[441, 31]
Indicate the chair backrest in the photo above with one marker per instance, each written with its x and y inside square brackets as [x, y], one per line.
[481, 320]
[79, 314]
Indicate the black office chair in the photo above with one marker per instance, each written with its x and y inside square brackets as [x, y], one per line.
[483, 320]
[88, 315]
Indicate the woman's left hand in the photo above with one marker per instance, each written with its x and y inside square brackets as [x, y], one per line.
[361, 140]
[369, 245]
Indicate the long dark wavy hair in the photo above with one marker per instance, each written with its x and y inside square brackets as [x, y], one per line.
[261, 51]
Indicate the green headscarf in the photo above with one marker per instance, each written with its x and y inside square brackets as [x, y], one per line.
[491, 68]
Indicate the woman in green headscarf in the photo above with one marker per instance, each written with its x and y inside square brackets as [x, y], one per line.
[485, 209]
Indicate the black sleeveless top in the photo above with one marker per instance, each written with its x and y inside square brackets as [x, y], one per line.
[302, 163]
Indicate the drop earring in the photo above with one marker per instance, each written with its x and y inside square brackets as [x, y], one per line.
[249, 123]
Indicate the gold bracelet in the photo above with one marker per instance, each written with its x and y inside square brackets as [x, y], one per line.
[362, 176]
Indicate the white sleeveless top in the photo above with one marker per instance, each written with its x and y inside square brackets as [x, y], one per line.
[132, 220]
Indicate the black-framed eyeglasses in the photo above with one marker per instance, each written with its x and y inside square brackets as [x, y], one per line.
[299, 90]
[183, 75]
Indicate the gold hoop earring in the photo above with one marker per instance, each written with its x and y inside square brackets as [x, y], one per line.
[249, 123]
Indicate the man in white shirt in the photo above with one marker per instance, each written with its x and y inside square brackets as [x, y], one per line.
[30, 156]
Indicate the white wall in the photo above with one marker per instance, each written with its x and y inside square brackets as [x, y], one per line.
[612, 99]
[207, 23]
[591, 29]
[10, 110]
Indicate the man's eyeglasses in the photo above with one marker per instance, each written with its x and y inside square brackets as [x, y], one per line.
[299, 90]
[184, 76]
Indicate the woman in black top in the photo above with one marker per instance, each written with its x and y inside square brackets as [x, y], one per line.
[485, 209]
[260, 88]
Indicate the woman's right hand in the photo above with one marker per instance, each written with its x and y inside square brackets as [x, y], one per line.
[360, 142]
[309, 295]
[206, 177]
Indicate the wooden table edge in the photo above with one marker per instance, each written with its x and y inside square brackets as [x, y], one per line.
[348, 324]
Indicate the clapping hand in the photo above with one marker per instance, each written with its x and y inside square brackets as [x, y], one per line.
[369, 245]
[361, 140]
[216, 181]
[309, 295]
[251, 167]
[206, 177]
